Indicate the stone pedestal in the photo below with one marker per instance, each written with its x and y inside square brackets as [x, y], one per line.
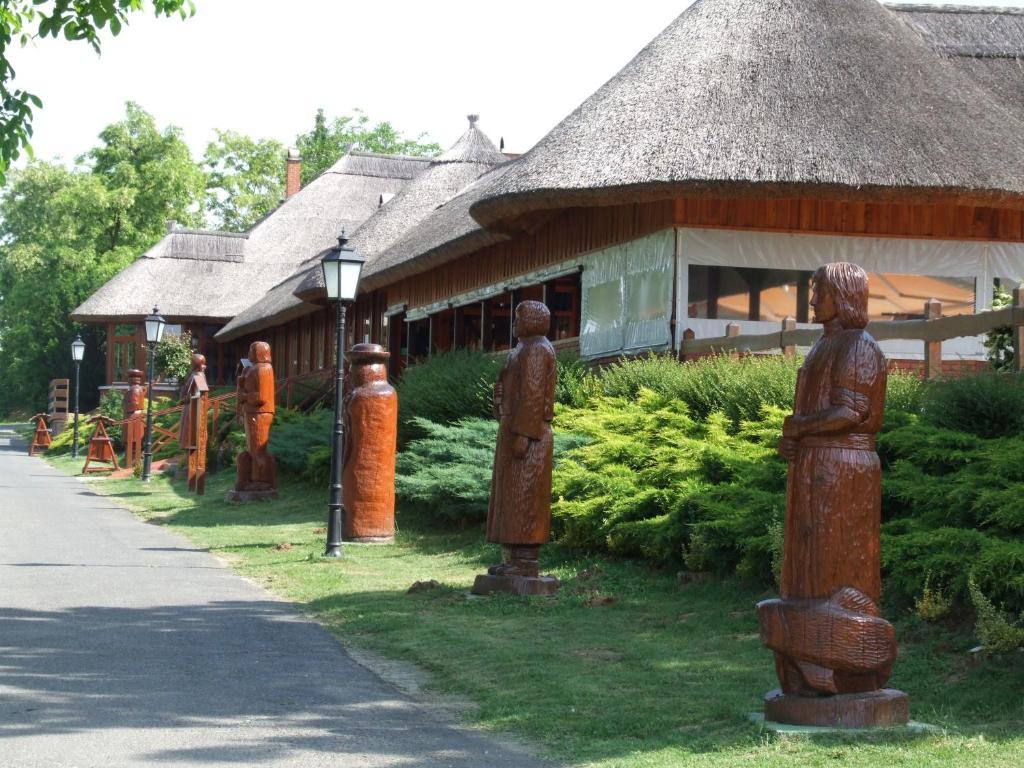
[242, 496]
[523, 586]
[875, 709]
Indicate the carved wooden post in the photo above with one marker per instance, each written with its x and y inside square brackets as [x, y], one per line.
[732, 330]
[688, 335]
[368, 480]
[1018, 330]
[932, 349]
[789, 350]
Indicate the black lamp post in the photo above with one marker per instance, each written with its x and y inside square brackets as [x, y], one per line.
[77, 353]
[342, 267]
[154, 332]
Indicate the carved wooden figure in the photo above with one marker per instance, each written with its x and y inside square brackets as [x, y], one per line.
[371, 415]
[192, 435]
[41, 437]
[519, 515]
[257, 469]
[833, 651]
[101, 448]
[133, 405]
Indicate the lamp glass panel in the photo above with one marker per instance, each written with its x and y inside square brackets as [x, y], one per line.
[349, 279]
[154, 329]
[77, 350]
[331, 281]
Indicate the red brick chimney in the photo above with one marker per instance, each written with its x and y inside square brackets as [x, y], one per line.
[293, 179]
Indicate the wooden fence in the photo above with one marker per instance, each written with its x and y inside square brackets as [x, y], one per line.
[931, 332]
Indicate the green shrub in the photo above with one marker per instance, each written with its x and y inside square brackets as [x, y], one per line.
[990, 405]
[576, 383]
[999, 341]
[446, 474]
[653, 481]
[993, 628]
[445, 389]
[296, 436]
[904, 392]
[172, 357]
[737, 388]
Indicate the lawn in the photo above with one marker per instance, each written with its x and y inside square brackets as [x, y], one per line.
[625, 668]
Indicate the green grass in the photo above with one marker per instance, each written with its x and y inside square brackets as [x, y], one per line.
[657, 675]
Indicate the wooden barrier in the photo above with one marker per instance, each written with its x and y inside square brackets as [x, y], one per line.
[101, 447]
[41, 437]
[58, 405]
[931, 331]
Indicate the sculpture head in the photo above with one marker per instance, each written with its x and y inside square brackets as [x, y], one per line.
[198, 363]
[840, 291]
[134, 377]
[259, 352]
[368, 363]
[532, 319]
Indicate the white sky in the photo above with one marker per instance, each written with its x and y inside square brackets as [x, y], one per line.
[263, 67]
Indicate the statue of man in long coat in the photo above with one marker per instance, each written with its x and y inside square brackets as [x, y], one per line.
[519, 514]
[833, 651]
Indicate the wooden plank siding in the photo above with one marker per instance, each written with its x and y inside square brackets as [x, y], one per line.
[579, 231]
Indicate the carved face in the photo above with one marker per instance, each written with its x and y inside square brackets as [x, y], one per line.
[198, 363]
[134, 377]
[532, 319]
[823, 302]
[259, 352]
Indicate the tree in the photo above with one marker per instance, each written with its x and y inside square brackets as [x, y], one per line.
[75, 20]
[66, 231]
[327, 142]
[245, 179]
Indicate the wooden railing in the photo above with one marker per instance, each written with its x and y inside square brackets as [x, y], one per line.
[931, 332]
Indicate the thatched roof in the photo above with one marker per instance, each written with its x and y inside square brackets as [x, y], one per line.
[195, 275]
[776, 97]
[472, 155]
[447, 233]
[985, 43]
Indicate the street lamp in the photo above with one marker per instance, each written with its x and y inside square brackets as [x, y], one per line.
[342, 267]
[77, 353]
[154, 332]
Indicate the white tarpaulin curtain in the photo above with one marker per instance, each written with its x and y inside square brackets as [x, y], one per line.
[806, 252]
[627, 296]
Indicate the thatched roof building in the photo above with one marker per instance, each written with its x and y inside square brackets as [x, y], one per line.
[783, 98]
[212, 276]
[473, 154]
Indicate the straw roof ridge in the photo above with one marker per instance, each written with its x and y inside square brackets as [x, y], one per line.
[378, 165]
[474, 146]
[953, 8]
[972, 32]
[199, 245]
[776, 96]
[442, 180]
[446, 233]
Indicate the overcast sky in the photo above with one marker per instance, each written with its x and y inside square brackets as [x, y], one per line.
[263, 67]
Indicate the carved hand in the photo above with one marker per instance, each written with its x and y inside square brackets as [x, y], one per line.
[791, 426]
[787, 448]
[520, 446]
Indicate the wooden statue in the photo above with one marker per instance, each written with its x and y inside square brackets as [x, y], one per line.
[101, 447]
[371, 431]
[519, 515]
[257, 469]
[41, 437]
[833, 651]
[192, 434]
[133, 405]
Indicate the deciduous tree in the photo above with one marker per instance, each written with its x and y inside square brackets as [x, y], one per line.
[245, 179]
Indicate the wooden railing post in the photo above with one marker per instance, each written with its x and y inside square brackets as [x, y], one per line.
[732, 330]
[688, 335]
[932, 349]
[788, 324]
[1018, 330]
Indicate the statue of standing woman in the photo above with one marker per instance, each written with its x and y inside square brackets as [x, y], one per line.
[833, 650]
[519, 514]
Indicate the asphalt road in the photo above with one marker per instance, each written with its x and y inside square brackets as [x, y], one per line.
[122, 645]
